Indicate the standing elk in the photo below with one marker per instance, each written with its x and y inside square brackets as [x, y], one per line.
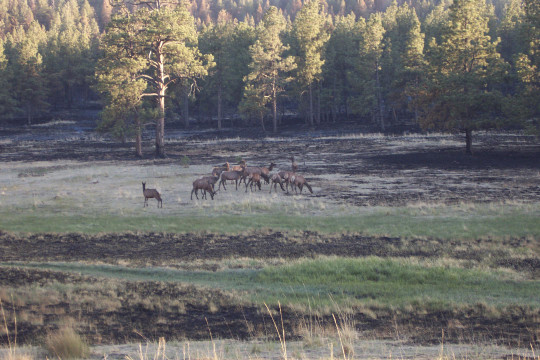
[294, 165]
[254, 179]
[151, 194]
[233, 175]
[265, 172]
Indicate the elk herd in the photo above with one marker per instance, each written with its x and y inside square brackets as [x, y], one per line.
[250, 176]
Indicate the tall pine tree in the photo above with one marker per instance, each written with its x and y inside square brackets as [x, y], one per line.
[309, 34]
[459, 92]
[269, 66]
[165, 38]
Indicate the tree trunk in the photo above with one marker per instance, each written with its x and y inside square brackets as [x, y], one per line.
[186, 108]
[311, 105]
[274, 109]
[318, 105]
[262, 122]
[379, 99]
[219, 115]
[468, 141]
[160, 122]
[138, 137]
[29, 114]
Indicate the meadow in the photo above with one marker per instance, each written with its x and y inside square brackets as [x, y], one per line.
[405, 241]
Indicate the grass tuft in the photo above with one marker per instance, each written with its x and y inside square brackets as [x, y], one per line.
[66, 344]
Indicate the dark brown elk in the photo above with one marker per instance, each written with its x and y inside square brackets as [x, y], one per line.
[274, 180]
[212, 179]
[151, 194]
[234, 175]
[204, 184]
[254, 179]
[299, 182]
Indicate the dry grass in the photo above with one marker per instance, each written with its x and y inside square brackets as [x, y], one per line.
[66, 344]
[13, 351]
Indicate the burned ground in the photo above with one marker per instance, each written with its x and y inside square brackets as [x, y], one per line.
[352, 170]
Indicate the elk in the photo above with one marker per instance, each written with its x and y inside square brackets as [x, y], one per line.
[205, 184]
[254, 179]
[299, 181]
[286, 177]
[238, 167]
[276, 179]
[217, 170]
[151, 194]
[294, 165]
[233, 175]
[248, 171]
[212, 180]
[265, 172]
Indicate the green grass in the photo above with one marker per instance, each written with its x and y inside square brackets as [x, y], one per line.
[391, 222]
[326, 283]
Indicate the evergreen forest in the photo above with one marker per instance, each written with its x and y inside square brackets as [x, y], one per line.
[443, 65]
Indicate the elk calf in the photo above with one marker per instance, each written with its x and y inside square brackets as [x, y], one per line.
[150, 194]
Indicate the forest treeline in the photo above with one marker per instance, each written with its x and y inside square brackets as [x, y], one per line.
[442, 64]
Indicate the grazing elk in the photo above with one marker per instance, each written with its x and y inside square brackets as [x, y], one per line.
[151, 194]
[299, 181]
[276, 179]
[286, 177]
[254, 179]
[205, 184]
[233, 175]
[213, 179]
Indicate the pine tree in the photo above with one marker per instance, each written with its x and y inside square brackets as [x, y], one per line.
[341, 54]
[309, 34]
[7, 103]
[25, 70]
[459, 91]
[403, 58]
[166, 39]
[528, 69]
[268, 69]
[366, 79]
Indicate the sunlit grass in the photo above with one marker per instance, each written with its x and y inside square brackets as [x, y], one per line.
[390, 222]
[331, 283]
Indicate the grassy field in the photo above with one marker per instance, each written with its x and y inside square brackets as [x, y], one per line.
[381, 222]
[327, 285]
[465, 259]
